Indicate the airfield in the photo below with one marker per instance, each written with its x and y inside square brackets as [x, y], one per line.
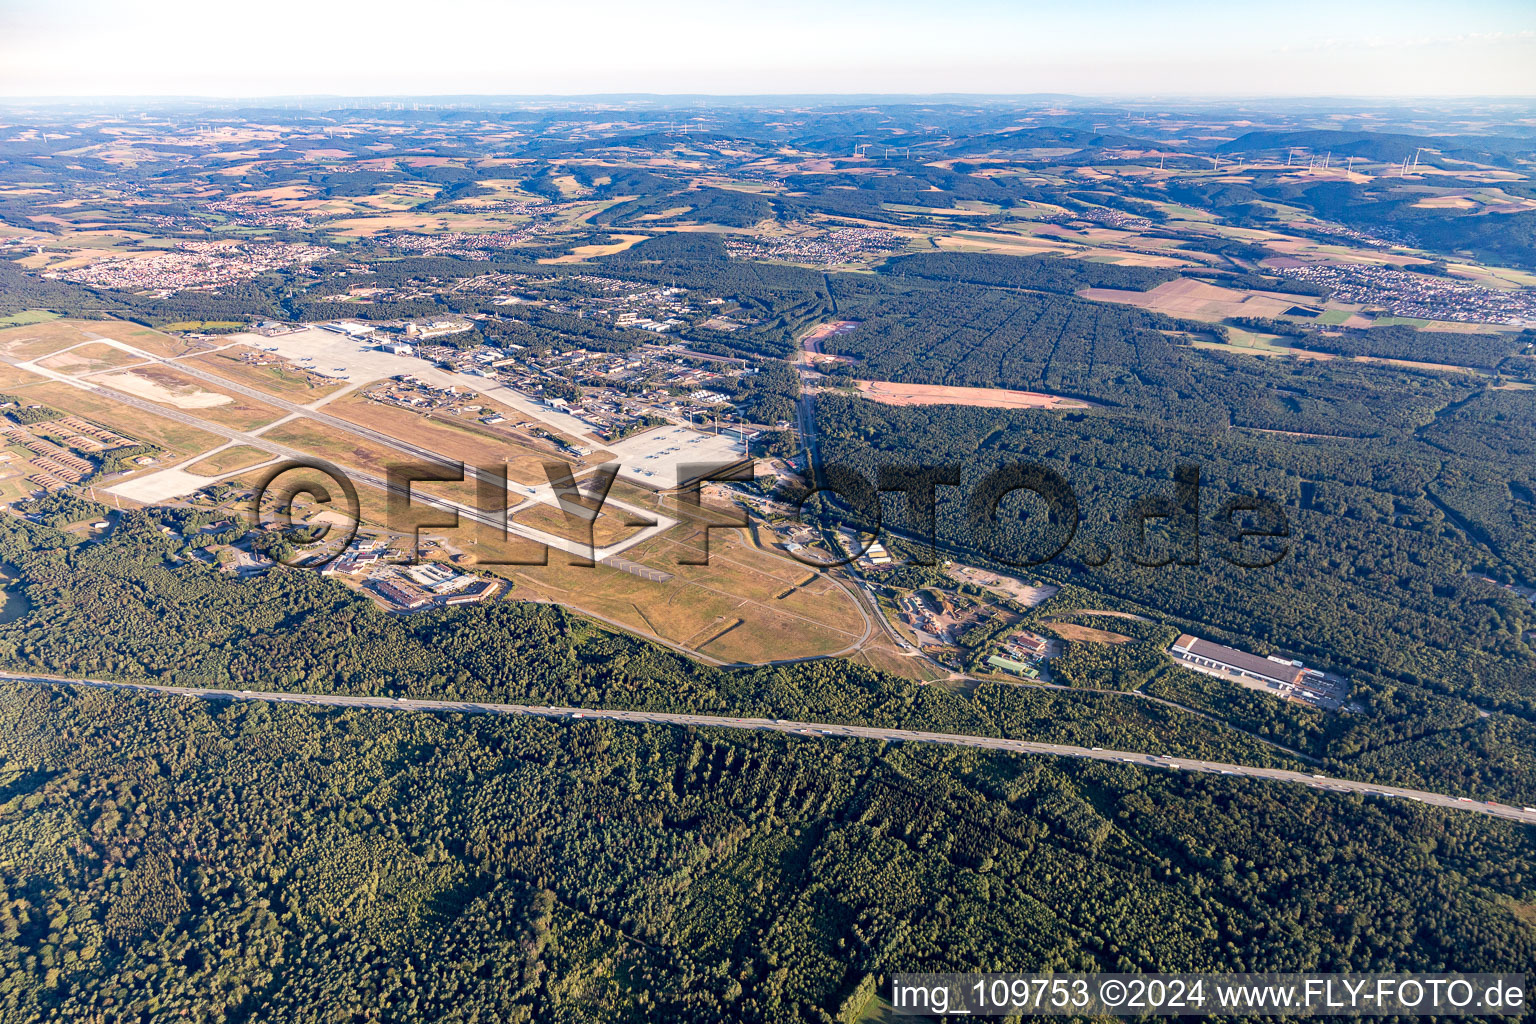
[668, 457]
[218, 419]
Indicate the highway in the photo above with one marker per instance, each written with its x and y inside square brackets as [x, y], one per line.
[1521, 815]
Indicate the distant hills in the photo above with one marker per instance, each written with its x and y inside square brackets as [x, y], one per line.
[1383, 146]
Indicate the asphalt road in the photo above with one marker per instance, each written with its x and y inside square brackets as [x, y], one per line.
[819, 729]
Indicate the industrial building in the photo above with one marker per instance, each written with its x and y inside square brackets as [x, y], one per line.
[410, 600]
[1290, 678]
[473, 594]
[1204, 654]
[1018, 668]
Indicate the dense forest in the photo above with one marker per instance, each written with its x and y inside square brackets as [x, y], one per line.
[1380, 574]
[135, 607]
[167, 859]
[1481, 350]
[958, 333]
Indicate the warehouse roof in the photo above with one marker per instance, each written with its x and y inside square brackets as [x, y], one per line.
[1241, 660]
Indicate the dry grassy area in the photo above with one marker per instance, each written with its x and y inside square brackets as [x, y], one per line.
[1087, 634]
[280, 380]
[229, 460]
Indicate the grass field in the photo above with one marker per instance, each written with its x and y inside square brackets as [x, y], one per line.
[14, 487]
[888, 393]
[446, 438]
[176, 438]
[1187, 297]
[203, 325]
[43, 338]
[165, 385]
[143, 338]
[886, 659]
[88, 358]
[27, 316]
[608, 529]
[1087, 634]
[280, 380]
[728, 610]
[15, 377]
[586, 252]
[335, 445]
[227, 461]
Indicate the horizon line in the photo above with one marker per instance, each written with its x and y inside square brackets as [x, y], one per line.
[945, 95]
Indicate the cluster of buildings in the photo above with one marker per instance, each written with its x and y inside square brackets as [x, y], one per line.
[1111, 218]
[657, 310]
[1027, 644]
[253, 212]
[1322, 227]
[426, 330]
[1279, 676]
[1403, 293]
[358, 558]
[410, 587]
[1013, 665]
[410, 392]
[53, 461]
[193, 265]
[619, 304]
[265, 358]
[939, 616]
[876, 558]
[822, 249]
[1021, 654]
[397, 335]
[462, 244]
[621, 391]
[615, 304]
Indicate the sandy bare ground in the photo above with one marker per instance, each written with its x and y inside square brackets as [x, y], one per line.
[827, 330]
[811, 353]
[890, 393]
[143, 387]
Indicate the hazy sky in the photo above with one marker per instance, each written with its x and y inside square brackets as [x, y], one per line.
[1089, 47]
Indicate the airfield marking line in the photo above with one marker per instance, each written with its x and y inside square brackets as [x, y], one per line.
[362, 476]
[544, 494]
[834, 729]
[753, 601]
[405, 447]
